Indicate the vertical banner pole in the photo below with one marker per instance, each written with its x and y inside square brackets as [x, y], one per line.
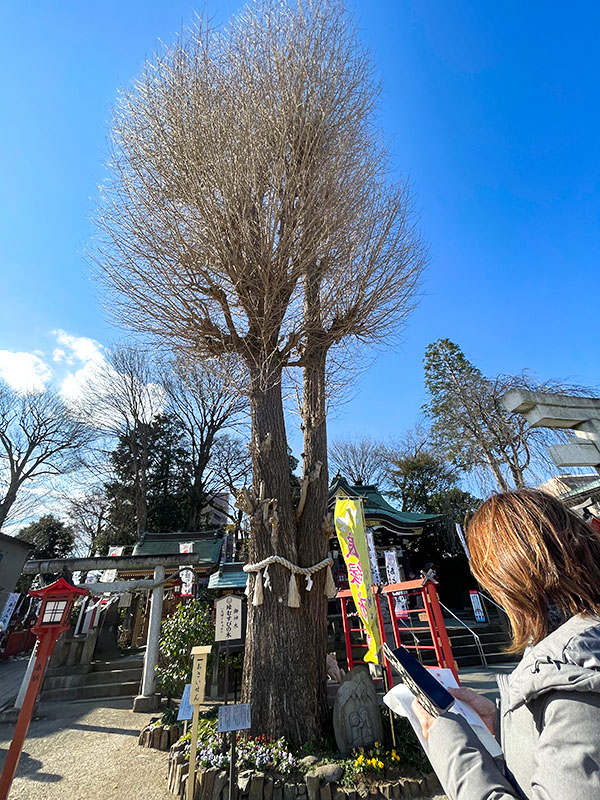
[197, 689]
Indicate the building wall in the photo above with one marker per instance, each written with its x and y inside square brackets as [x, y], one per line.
[13, 554]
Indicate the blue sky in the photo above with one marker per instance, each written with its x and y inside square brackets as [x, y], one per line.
[492, 109]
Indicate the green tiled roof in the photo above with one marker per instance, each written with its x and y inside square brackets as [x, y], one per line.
[592, 486]
[207, 544]
[378, 510]
[229, 576]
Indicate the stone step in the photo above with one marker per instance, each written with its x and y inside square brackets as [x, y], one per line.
[472, 649]
[458, 641]
[127, 662]
[491, 658]
[114, 676]
[128, 689]
[55, 682]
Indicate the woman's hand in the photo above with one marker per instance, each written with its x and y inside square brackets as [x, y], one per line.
[480, 704]
[423, 716]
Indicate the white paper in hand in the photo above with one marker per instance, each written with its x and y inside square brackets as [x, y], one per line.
[400, 698]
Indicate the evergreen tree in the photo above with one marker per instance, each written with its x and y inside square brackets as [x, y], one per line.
[168, 480]
[51, 538]
[469, 423]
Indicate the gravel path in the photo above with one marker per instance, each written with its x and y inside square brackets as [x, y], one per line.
[79, 750]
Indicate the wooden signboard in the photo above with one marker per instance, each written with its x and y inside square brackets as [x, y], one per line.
[228, 618]
[200, 655]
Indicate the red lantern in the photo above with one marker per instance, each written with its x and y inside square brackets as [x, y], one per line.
[57, 602]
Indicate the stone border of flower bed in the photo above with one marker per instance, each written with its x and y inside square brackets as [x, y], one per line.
[160, 737]
[213, 784]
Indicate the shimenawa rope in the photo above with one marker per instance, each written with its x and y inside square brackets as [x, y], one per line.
[293, 594]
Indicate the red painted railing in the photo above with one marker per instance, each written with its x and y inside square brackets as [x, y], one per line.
[424, 596]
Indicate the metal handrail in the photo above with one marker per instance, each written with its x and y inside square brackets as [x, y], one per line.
[416, 639]
[471, 631]
[493, 602]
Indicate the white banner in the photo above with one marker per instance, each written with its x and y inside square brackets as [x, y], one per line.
[7, 611]
[187, 577]
[110, 575]
[463, 541]
[373, 559]
[186, 547]
[393, 575]
[477, 606]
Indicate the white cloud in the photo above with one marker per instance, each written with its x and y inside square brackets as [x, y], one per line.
[25, 372]
[58, 355]
[78, 349]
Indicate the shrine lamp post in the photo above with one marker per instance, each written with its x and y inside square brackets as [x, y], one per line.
[57, 602]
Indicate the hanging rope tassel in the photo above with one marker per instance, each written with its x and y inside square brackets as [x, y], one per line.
[293, 594]
[257, 598]
[267, 579]
[330, 588]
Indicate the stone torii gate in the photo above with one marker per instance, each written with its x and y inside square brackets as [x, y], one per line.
[148, 699]
[579, 414]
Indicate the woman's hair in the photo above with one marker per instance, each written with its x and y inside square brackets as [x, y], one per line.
[533, 555]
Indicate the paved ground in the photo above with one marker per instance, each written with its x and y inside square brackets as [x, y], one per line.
[483, 679]
[80, 750]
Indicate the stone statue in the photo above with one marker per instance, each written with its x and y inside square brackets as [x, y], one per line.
[356, 716]
[333, 669]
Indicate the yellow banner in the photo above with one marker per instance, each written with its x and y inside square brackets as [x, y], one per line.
[350, 528]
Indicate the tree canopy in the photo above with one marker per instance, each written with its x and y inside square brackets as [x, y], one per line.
[472, 428]
[51, 538]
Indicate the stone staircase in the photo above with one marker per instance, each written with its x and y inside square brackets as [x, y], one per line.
[493, 636]
[119, 677]
[494, 641]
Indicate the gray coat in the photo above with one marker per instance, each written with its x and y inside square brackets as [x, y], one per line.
[549, 727]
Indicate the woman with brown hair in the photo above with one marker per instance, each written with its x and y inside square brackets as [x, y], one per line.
[541, 563]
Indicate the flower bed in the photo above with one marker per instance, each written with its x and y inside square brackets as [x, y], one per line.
[160, 736]
[213, 784]
[269, 770]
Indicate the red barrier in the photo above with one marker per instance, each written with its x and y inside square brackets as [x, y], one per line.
[427, 604]
[18, 642]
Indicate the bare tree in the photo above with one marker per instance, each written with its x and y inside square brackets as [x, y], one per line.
[205, 401]
[474, 430]
[121, 400]
[252, 212]
[87, 515]
[360, 460]
[40, 439]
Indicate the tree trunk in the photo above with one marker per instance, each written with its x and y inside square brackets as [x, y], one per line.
[312, 537]
[197, 502]
[8, 501]
[496, 472]
[279, 666]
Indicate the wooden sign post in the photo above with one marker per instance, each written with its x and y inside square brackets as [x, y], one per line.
[197, 686]
[232, 719]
